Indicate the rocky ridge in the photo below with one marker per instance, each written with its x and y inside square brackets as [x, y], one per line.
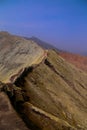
[47, 92]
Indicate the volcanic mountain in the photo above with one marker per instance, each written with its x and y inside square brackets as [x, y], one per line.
[39, 89]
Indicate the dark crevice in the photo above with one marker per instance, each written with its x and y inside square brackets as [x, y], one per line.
[20, 80]
[53, 69]
[50, 66]
[81, 85]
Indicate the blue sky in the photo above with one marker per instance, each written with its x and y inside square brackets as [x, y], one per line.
[62, 23]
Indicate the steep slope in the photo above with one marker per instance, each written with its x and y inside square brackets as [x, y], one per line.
[48, 92]
[57, 94]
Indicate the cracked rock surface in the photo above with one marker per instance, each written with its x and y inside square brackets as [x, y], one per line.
[39, 90]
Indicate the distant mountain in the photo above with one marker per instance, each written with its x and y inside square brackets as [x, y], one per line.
[46, 45]
[43, 44]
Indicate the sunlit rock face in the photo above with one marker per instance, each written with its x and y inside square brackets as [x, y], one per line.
[17, 53]
[45, 90]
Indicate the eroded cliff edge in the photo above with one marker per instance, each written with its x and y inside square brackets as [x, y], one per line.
[50, 94]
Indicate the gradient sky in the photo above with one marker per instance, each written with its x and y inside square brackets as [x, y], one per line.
[62, 23]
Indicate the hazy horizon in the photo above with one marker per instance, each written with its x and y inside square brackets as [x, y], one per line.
[62, 23]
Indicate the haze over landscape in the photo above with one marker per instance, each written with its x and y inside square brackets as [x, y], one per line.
[63, 23]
